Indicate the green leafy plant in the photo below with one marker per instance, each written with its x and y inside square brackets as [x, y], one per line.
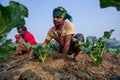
[5, 48]
[96, 47]
[110, 3]
[10, 17]
[41, 50]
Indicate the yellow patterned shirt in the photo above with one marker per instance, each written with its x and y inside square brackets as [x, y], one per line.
[67, 29]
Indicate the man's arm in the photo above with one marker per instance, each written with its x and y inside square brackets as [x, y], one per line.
[66, 46]
[69, 35]
[46, 41]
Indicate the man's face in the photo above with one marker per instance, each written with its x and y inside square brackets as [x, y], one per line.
[58, 21]
[21, 32]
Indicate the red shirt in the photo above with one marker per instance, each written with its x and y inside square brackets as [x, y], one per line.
[30, 38]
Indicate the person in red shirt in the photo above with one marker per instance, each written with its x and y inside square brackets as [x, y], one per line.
[27, 37]
[20, 48]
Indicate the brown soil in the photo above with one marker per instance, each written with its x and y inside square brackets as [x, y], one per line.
[52, 69]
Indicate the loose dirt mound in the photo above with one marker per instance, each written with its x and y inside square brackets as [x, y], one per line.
[85, 69]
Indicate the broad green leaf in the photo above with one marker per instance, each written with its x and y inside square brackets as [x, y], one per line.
[110, 3]
[11, 16]
[107, 34]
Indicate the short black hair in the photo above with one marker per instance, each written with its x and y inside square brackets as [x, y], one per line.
[22, 27]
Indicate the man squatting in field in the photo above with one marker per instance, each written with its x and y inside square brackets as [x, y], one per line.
[63, 32]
